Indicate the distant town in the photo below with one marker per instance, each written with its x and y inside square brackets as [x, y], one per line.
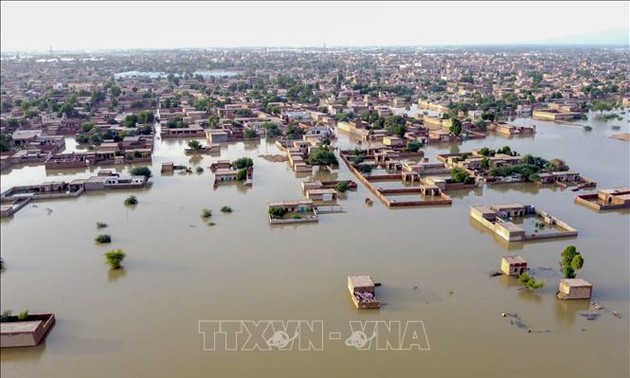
[411, 129]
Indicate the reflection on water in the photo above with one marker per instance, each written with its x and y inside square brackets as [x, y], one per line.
[114, 275]
[567, 311]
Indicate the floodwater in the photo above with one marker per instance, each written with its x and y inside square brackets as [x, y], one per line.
[433, 263]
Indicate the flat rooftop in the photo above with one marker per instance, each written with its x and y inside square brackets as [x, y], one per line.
[576, 282]
[361, 281]
[514, 259]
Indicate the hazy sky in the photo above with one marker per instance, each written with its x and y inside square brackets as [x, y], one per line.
[27, 26]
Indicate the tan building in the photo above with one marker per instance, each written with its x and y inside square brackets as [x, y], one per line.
[574, 288]
[513, 265]
[362, 292]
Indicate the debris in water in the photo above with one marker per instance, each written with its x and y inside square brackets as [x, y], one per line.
[49, 210]
[590, 315]
[415, 287]
[494, 273]
[597, 306]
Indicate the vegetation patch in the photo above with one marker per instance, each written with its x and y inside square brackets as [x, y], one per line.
[103, 239]
[114, 258]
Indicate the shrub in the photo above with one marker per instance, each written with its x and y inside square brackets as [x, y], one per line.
[6, 315]
[206, 213]
[241, 175]
[277, 212]
[244, 162]
[322, 156]
[131, 200]
[103, 239]
[101, 225]
[114, 258]
[199, 170]
[530, 282]
[365, 168]
[141, 171]
[194, 145]
[22, 316]
[358, 159]
[226, 209]
[342, 186]
[296, 216]
[413, 146]
[588, 128]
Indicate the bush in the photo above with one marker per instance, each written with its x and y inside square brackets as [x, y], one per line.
[22, 316]
[101, 225]
[459, 175]
[103, 239]
[141, 171]
[342, 186]
[413, 146]
[365, 168]
[206, 213]
[114, 258]
[194, 145]
[131, 200]
[199, 170]
[6, 315]
[226, 209]
[358, 159]
[530, 282]
[277, 212]
[241, 175]
[588, 128]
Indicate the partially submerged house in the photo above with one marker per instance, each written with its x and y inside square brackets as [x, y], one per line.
[574, 288]
[29, 332]
[513, 265]
[362, 292]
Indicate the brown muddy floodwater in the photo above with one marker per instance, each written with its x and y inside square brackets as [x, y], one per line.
[433, 263]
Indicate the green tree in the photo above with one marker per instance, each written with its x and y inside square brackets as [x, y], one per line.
[322, 156]
[194, 145]
[460, 175]
[456, 126]
[277, 212]
[241, 174]
[5, 142]
[243, 163]
[249, 133]
[342, 186]
[570, 262]
[141, 171]
[114, 258]
[365, 168]
[485, 163]
[413, 146]
[131, 120]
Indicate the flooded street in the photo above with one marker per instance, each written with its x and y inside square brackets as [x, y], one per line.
[433, 264]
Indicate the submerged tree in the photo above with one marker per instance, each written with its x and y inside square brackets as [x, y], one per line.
[530, 282]
[114, 258]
